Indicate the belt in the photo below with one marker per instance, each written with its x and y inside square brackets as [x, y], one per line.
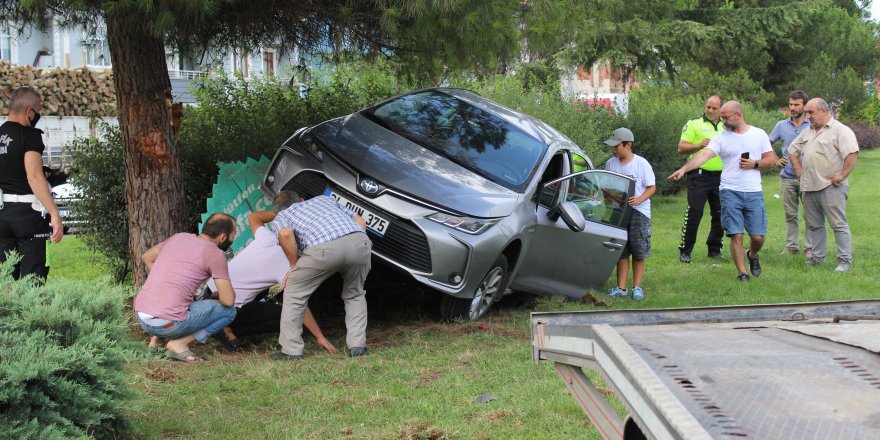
[20, 198]
[702, 171]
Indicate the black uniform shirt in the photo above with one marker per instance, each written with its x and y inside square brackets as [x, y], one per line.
[15, 140]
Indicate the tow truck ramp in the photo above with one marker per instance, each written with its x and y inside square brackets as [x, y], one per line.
[778, 371]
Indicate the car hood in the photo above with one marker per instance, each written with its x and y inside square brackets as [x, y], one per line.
[399, 163]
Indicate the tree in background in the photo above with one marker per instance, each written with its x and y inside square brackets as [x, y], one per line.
[430, 36]
[754, 49]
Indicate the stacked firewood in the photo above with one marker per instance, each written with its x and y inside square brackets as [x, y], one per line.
[65, 91]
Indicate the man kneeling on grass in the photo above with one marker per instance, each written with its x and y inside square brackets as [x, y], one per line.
[177, 267]
[256, 268]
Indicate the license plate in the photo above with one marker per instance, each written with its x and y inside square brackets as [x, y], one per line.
[375, 223]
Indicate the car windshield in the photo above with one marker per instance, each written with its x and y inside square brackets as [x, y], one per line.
[467, 135]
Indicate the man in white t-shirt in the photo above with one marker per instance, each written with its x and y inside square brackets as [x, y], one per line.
[260, 265]
[744, 151]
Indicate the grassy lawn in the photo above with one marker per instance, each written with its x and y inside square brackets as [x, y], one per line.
[421, 377]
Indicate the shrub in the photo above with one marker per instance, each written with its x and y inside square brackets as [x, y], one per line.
[62, 353]
[867, 135]
[97, 169]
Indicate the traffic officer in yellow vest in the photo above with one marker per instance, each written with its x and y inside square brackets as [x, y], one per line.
[28, 215]
[702, 183]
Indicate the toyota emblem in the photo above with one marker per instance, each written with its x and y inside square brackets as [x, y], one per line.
[369, 186]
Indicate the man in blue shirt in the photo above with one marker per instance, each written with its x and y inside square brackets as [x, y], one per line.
[321, 238]
[787, 130]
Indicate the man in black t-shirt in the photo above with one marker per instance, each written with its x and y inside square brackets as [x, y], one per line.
[28, 216]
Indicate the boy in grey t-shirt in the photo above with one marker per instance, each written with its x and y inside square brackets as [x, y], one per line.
[638, 243]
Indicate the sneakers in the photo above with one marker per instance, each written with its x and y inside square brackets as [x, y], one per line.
[617, 292]
[842, 267]
[808, 253]
[685, 258]
[638, 293]
[789, 251]
[813, 261]
[754, 264]
[716, 255]
[358, 351]
[281, 356]
[744, 277]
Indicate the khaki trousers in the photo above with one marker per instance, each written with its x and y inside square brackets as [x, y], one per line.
[348, 255]
[828, 204]
[791, 198]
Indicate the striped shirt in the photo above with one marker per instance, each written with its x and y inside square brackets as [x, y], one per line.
[315, 221]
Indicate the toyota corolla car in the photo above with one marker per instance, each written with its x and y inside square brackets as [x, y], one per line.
[467, 196]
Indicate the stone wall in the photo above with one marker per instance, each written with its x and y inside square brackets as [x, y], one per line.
[65, 92]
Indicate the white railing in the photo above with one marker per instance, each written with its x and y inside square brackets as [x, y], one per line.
[187, 74]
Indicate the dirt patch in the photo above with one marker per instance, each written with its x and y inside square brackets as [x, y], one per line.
[346, 431]
[338, 383]
[161, 373]
[496, 415]
[429, 376]
[591, 299]
[420, 430]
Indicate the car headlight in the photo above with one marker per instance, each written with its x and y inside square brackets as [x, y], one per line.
[464, 224]
[308, 141]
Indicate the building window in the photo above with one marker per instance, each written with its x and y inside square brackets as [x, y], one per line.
[5, 42]
[95, 46]
[240, 62]
[269, 64]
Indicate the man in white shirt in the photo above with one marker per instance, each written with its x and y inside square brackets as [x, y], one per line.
[744, 151]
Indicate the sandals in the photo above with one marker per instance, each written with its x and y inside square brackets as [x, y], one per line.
[186, 356]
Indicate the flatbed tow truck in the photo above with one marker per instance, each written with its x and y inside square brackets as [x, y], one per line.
[777, 371]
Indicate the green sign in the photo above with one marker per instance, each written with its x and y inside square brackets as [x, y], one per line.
[237, 193]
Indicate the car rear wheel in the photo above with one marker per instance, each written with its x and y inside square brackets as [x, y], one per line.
[490, 290]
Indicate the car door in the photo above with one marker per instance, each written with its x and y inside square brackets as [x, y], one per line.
[560, 260]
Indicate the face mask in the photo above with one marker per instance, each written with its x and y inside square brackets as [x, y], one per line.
[225, 245]
[35, 119]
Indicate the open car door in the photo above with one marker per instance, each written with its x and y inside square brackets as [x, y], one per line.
[564, 260]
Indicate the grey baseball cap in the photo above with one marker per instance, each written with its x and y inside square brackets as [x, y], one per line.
[620, 135]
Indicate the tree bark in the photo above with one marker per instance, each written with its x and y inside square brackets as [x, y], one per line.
[153, 174]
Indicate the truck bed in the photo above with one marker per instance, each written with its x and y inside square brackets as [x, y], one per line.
[760, 372]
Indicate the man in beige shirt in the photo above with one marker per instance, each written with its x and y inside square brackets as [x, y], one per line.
[823, 156]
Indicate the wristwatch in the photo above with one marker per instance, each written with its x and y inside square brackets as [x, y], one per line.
[756, 164]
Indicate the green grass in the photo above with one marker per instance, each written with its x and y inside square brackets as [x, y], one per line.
[421, 377]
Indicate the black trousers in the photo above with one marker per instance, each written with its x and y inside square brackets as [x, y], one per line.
[256, 318]
[26, 231]
[702, 186]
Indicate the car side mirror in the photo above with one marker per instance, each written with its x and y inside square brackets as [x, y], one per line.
[570, 214]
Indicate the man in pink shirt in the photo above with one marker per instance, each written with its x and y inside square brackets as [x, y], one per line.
[177, 267]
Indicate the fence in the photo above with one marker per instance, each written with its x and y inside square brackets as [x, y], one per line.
[59, 130]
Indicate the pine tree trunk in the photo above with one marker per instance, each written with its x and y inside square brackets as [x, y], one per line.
[153, 179]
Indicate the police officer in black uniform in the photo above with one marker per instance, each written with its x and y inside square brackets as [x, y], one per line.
[28, 216]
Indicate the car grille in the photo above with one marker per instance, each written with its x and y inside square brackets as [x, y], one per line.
[403, 242]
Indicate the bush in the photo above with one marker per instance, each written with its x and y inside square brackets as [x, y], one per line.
[62, 353]
[867, 135]
[97, 169]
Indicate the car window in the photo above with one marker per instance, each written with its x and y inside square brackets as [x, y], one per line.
[468, 135]
[601, 196]
[579, 163]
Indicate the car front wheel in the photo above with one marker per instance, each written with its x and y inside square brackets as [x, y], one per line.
[490, 290]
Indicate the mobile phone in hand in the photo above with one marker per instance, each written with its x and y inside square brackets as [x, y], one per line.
[744, 155]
